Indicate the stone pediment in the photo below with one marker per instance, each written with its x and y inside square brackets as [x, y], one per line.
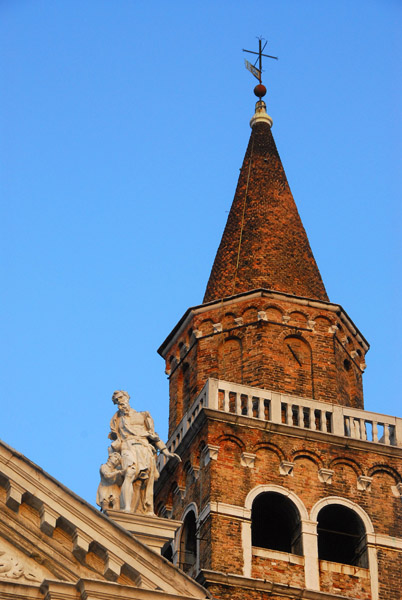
[15, 566]
[50, 539]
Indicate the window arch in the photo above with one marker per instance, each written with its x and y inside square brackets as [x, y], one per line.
[275, 523]
[188, 543]
[341, 536]
[167, 551]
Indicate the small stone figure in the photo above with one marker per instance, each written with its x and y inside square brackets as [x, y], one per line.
[108, 495]
[134, 439]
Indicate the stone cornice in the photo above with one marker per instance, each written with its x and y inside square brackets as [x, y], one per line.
[55, 500]
[183, 323]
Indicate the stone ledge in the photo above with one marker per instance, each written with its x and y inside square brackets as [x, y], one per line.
[208, 578]
[151, 530]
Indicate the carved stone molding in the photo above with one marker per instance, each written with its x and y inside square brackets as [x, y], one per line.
[364, 483]
[262, 316]
[239, 321]
[325, 476]
[397, 490]
[13, 567]
[247, 460]
[286, 468]
[48, 518]
[217, 327]
[311, 324]
[113, 565]
[333, 329]
[183, 350]
[210, 452]
[285, 319]
[194, 472]
[180, 492]
[14, 495]
[81, 543]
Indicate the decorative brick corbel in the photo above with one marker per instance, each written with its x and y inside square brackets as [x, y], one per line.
[180, 492]
[286, 468]
[194, 472]
[364, 483]
[247, 460]
[183, 350]
[325, 476]
[210, 452]
[217, 327]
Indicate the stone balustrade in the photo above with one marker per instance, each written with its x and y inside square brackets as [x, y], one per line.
[266, 405]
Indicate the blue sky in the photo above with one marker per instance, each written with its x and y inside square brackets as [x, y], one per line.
[123, 127]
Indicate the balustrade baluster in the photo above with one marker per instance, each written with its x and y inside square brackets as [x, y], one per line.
[261, 410]
[225, 400]
[386, 434]
[375, 431]
[237, 404]
[249, 406]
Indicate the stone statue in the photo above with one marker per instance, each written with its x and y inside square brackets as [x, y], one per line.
[135, 442]
[108, 495]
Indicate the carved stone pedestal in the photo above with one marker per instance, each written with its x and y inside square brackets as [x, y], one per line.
[151, 530]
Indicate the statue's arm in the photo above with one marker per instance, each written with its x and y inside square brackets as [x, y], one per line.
[155, 439]
[113, 428]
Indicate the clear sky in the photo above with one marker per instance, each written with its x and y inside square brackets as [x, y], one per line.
[123, 127]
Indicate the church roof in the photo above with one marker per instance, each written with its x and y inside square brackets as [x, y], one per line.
[54, 544]
[264, 244]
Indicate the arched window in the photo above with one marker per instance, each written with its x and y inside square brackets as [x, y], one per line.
[188, 543]
[275, 523]
[341, 536]
[167, 552]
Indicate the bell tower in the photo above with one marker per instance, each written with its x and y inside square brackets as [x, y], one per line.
[287, 485]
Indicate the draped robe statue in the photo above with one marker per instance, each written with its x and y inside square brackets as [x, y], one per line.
[134, 439]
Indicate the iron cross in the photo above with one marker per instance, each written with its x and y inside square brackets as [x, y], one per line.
[260, 54]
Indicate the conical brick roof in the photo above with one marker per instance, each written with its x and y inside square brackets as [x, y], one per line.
[264, 244]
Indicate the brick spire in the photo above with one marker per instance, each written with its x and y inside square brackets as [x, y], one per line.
[264, 244]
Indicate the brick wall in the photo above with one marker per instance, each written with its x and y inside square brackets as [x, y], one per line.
[304, 351]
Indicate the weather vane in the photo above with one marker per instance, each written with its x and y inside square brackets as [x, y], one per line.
[259, 90]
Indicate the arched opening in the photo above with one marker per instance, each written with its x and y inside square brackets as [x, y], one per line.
[167, 552]
[341, 536]
[275, 523]
[188, 543]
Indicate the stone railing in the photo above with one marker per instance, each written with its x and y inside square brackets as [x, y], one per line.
[265, 405]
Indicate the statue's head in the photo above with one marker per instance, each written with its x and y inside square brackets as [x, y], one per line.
[114, 458]
[122, 400]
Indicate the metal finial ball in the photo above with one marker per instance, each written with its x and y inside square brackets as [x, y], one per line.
[260, 90]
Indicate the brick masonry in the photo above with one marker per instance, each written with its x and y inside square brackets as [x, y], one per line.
[266, 322]
[264, 244]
